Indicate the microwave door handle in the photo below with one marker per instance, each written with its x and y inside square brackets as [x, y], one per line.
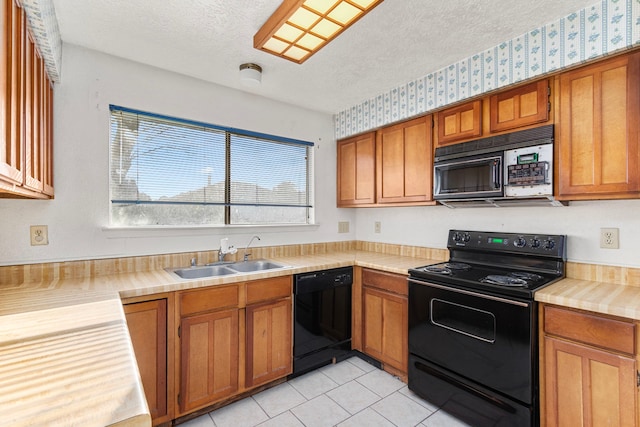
[496, 174]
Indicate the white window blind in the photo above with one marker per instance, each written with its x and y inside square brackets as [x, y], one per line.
[167, 171]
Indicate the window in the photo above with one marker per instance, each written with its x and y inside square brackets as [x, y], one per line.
[167, 171]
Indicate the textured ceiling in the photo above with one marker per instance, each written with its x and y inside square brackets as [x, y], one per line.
[398, 41]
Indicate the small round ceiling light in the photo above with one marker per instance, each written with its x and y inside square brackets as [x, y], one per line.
[250, 74]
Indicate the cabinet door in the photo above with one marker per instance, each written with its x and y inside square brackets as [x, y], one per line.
[11, 70]
[459, 123]
[404, 162]
[37, 146]
[269, 342]
[147, 322]
[385, 327]
[588, 387]
[209, 358]
[598, 130]
[522, 106]
[356, 170]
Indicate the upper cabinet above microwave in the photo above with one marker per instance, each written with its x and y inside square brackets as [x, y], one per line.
[518, 108]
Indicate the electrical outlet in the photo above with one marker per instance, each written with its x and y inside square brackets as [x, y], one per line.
[39, 235]
[343, 226]
[609, 238]
[377, 226]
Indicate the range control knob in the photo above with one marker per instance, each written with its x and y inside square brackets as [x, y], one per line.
[549, 244]
[520, 242]
[535, 243]
[457, 237]
[466, 237]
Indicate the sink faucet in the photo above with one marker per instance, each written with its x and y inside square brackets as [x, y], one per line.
[225, 249]
[246, 254]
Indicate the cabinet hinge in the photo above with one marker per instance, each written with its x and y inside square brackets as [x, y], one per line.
[178, 331]
[548, 106]
[637, 379]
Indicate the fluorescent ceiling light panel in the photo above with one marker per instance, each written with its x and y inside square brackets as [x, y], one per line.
[299, 28]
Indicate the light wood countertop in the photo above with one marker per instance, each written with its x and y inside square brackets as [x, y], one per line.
[66, 359]
[65, 353]
[599, 297]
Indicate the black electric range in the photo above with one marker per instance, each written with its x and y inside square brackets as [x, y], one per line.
[473, 326]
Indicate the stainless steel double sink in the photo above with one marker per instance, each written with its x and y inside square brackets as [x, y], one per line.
[225, 269]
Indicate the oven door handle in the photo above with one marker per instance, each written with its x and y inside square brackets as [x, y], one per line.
[475, 294]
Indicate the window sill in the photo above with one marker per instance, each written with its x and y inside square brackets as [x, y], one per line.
[174, 231]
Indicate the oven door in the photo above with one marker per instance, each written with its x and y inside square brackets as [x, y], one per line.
[486, 339]
[468, 178]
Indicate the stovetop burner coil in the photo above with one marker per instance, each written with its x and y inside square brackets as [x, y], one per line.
[526, 276]
[457, 266]
[447, 268]
[438, 269]
[495, 279]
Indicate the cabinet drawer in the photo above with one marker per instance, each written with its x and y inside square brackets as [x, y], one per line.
[591, 329]
[385, 281]
[208, 299]
[269, 289]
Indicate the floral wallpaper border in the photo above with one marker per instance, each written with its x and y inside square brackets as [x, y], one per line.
[44, 26]
[604, 28]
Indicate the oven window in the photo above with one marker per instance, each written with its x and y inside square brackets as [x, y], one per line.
[465, 320]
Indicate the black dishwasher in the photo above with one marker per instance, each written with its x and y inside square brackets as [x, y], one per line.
[322, 311]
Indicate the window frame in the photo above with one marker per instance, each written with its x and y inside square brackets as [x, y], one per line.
[229, 133]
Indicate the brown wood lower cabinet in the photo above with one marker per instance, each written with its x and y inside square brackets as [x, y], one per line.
[269, 338]
[269, 341]
[147, 322]
[589, 370]
[233, 338]
[384, 319]
[209, 345]
[209, 358]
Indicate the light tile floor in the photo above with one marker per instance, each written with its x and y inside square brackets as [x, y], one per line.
[350, 393]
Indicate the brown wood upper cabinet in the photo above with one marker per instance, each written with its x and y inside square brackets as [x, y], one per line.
[404, 162]
[356, 170]
[390, 166]
[522, 106]
[514, 109]
[460, 123]
[26, 118]
[598, 130]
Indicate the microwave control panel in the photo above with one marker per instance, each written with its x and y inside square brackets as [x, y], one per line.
[528, 171]
[535, 173]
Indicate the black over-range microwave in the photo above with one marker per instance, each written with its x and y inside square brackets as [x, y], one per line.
[502, 170]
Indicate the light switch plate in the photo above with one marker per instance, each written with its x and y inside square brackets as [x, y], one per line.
[377, 226]
[39, 235]
[343, 226]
